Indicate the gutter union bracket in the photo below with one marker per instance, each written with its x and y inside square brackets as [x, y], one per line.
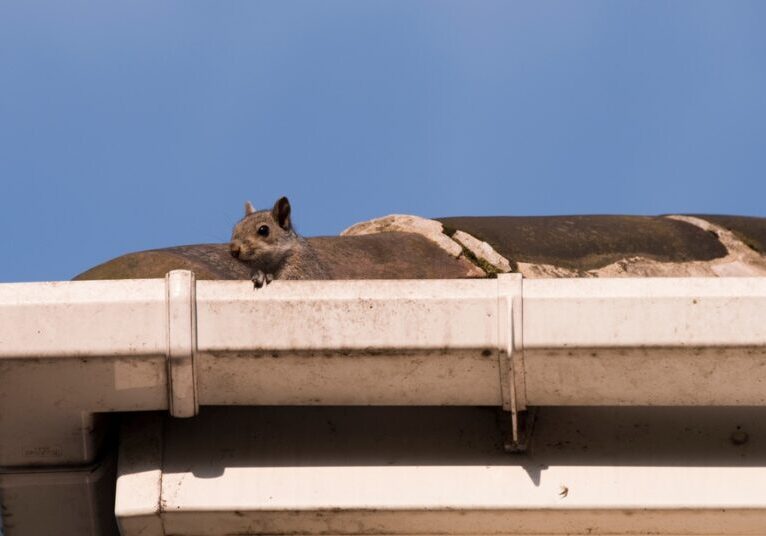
[181, 299]
[511, 360]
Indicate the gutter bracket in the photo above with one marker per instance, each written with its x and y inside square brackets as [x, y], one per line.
[181, 329]
[511, 360]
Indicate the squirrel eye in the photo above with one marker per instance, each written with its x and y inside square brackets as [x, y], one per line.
[263, 230]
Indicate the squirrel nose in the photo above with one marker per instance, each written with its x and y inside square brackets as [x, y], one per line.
[234, 249]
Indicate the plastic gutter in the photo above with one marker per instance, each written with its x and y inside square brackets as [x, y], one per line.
[69, 350]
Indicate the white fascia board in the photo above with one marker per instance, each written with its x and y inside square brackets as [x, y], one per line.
[280, 470]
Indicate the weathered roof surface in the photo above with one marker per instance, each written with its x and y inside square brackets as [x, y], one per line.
[394, 255]
[601, 246]
[590, 242]
[752, 231]
[381, 256]
[409, 247]
[208, 261]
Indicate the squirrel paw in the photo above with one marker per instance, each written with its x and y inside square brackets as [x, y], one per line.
[259, 278]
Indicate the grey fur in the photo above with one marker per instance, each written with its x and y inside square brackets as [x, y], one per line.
[277, 253]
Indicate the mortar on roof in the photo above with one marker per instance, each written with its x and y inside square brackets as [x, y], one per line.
[486, 257]
[431, 229]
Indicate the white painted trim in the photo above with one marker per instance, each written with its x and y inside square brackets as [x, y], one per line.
[73, 348]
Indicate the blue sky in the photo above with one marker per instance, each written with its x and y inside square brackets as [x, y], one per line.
[134, 125]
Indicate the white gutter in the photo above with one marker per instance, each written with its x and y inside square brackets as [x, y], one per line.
[71, 349]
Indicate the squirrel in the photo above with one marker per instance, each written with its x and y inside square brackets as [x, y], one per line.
[267, 241]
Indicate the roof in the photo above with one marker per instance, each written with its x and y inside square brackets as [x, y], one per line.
[410, 247]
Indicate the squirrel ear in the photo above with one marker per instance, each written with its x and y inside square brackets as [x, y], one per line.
[249, 208]
[281, 213]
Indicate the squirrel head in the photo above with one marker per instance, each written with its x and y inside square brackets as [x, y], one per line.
[265, 236]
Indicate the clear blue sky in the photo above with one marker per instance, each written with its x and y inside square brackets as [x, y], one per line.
[135, 125]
